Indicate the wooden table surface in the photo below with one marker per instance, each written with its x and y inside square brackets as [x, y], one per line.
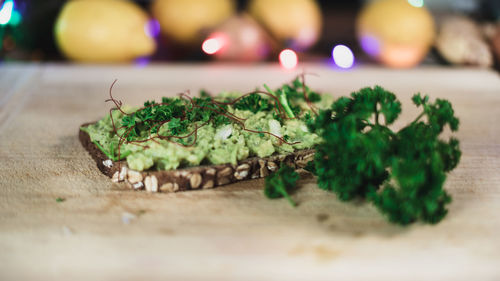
[103, 231]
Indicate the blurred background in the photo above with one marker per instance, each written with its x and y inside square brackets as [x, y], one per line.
[343, 34]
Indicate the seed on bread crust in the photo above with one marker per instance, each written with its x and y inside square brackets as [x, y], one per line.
[223, 176]
[154, 181]
[138, 185]
[263, 172]
[169, 187]
[134, 176]
[309, 157]
[195, 180]
[107, 163]
[123, 173]
[208, 184]
[272, 166]
[225, 172]
[242, 171]
[151, 184]
[239, 175]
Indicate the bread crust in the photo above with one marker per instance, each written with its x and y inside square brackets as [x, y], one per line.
[190, 178]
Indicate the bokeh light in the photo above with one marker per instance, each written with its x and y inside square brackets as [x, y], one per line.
[288, 59]
[142, 61]
[370, 44]
[343, 56]
[214, 43]
[6, 11]
[416, 3]
[152, 28]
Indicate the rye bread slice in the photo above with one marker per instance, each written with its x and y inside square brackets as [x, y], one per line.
[190, 178]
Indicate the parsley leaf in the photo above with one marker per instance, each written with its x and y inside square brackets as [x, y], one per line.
[402, 173]
[419, 166]
[295, 92]
[177, 126]
[253, 103]
[204, 94]
[280, 183]
[352, 160]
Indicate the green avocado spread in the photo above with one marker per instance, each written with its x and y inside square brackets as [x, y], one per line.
[227, 128]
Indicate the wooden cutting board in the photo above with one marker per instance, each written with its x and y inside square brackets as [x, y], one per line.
[104, 231]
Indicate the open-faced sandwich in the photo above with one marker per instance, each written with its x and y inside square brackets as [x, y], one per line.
[184, 142]
[349, 144]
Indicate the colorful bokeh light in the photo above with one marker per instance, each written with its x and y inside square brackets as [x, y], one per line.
[343, 56]
[152, 28]
[142, 61]
[214, 44]
[6, 11]
[370, 44]
[416, 3]
[288, 59]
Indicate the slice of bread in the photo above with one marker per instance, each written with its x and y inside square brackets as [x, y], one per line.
[190, 178]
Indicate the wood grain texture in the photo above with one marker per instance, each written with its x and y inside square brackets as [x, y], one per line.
[229, 233]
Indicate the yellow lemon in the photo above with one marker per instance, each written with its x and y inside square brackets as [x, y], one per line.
[185, 20]
[398, 33]
[295, 22]
[103, 31]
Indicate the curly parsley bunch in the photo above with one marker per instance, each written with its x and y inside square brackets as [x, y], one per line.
[402, 172]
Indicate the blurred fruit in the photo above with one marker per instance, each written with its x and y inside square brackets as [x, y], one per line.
[395, 32]
[103, 31]
[239, 39]
[295, 22]
[460, 41]
[186, 20]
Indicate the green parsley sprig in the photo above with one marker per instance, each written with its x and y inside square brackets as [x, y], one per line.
[402, 172]
[280, 183]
